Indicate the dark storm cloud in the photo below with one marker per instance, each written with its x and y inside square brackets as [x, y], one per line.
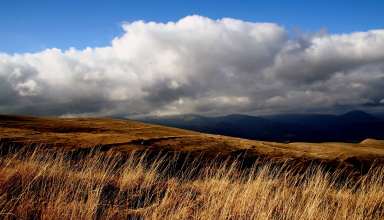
[198, 65]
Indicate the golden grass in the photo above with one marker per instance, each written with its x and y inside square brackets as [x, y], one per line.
[127, 135]
[36, 184]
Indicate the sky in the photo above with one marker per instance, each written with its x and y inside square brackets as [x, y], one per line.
[30, 26]
[127, 58]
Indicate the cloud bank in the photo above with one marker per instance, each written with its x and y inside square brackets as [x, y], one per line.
[198, 65]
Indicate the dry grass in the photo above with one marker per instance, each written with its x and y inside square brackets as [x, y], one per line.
[36, 184]
[126, 135]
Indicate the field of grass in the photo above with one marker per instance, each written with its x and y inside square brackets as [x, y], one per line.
[36, 184]
[127, 135]
[117, 169]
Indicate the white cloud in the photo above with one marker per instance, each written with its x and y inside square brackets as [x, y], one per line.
[198, 65]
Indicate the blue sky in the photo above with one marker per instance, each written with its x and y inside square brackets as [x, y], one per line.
[30, 26]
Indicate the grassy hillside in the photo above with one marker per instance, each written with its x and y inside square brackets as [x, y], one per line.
[127, 135]
[48, 185]
[118, 169]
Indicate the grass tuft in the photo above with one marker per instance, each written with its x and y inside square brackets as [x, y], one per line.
[38, 184]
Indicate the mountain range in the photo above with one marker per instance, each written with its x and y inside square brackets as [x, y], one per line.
[353, 126]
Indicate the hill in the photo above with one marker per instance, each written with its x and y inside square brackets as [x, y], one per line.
[100, 168]
[82, 134]
[354, 126]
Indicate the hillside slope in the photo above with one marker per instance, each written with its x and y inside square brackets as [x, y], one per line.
[127, 135]
[66, 178]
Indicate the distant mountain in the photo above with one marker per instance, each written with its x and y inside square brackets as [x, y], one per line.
[353, 126]
[357, 116]
[379, 115]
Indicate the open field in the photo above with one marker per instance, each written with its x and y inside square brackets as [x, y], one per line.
[102, 168]
[40, 185]
[127, 135]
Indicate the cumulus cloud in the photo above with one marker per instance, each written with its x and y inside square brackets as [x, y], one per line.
[198, 65]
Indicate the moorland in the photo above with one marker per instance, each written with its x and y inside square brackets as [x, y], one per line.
[101, 168]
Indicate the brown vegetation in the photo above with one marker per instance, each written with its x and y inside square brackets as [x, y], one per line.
[127, 135]
[35, 184]
[139, 171]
